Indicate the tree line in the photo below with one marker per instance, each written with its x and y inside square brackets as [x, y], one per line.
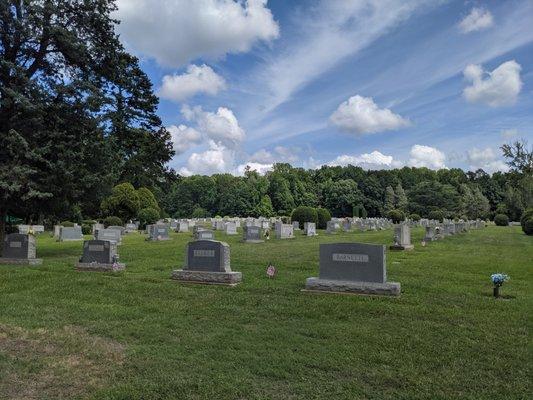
[78, 117]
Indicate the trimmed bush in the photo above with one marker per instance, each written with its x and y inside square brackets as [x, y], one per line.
[88, 222]
[527, 221]
[86, 229]
[147, 216]
[67, 224]
[147, 199]
[323, 217]
[437, 215]
[112, 221]
[414, 217]
[397, 216]
[501, 220]
[304, 214]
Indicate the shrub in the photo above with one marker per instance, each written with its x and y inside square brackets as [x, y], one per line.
[115, 221]
[147, 199]
[147, 216]
[501, 220]
[304, 214]
[323, 217]
[414, 217]
[285, 219]
[88, 222]
[360, 211]
[123, 202]
[436, 215]
[67, 224]
[86, 229]
[527, 221]
[397, 216]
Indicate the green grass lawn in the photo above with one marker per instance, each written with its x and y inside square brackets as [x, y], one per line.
[139, 335]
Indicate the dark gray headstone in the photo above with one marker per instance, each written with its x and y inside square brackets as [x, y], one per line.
[356, 262]
[99, 251]
[19, 246]
[207, 255]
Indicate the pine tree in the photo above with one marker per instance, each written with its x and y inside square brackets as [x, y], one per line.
[390, 199]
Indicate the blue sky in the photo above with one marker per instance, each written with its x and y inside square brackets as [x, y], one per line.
[380, 84]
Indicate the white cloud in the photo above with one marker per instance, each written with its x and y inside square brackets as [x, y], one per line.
[509, 133]
[331, 32]
[262, 156]
[361, 115]
[222, 126]
[178, 31]
[426, 156]
[485, 159]
[278, 154]
[259, 167]
[217, 159]
[197, 79]
[372, 161]
[499, 88]
[183, 137]
[477, 20]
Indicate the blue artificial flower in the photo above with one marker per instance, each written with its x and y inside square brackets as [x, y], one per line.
[499, 279]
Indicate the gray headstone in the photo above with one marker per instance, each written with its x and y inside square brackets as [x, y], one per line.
[252, 234]
[207, 255]
[309, 229]
[70, 233]
[111, 235]
[204, 234]
[99, 251]
[19, 246]
[356, 262]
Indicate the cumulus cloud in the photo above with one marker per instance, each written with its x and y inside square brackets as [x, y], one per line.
[372, 161]
[176, 32]
[426, 156]
[184, 137]
[260, 168]
[478, 19]
[497, 88]
[360, 115]
[217, 159]
[197, 79]
[222, 127]
[486, 160]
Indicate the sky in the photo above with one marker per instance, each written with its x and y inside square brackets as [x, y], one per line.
[376, 83]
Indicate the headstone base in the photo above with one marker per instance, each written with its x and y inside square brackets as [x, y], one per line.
[253, 241]
[157, 240]
[232, 278]
[400, 247]
[365, 288]
[21, 261]
[98, 267]
[70, 240]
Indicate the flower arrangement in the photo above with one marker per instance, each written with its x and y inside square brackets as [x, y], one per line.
[498, 280]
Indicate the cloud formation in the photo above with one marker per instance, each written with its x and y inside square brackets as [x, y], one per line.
[176, 32]
[426, 156]
[222, 127]
[216, 160]
[486, 160]
[360, 115]
[497, 88]
[371, 161]
[197, 79]
[184, 137]
[477, 20]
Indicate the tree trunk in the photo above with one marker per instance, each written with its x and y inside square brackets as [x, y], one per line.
[2, 228]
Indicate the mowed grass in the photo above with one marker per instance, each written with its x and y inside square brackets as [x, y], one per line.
[139, 335]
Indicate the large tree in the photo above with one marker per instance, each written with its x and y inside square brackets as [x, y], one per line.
[76, 111]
